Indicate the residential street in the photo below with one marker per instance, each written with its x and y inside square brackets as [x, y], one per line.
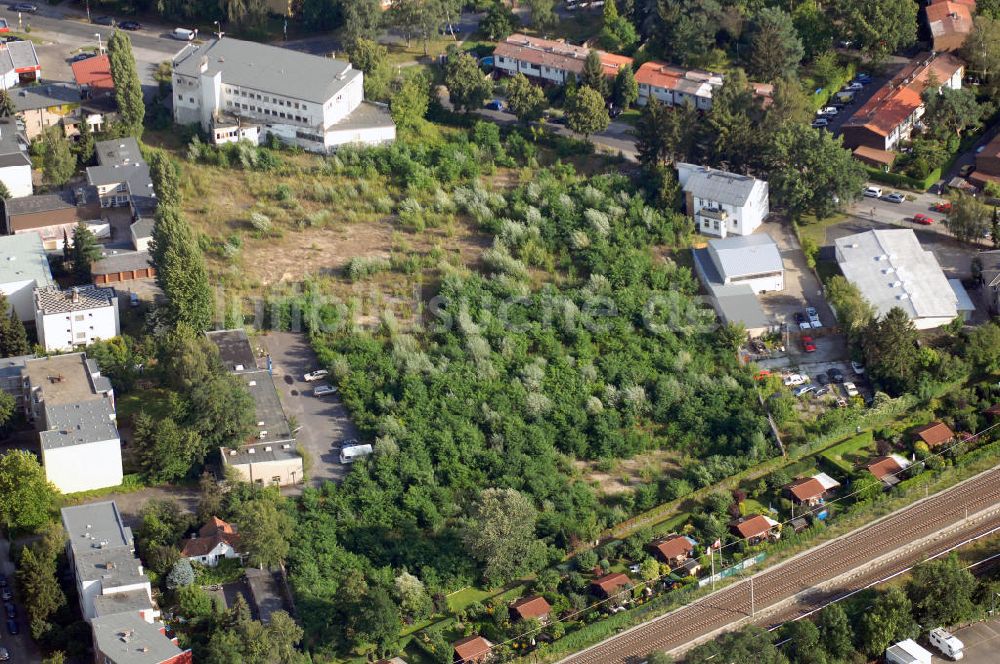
[900, 214]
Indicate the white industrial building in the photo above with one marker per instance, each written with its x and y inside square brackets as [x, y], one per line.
[891, 269]
[907, 652]
[79, 316]
[734, 271]
[239, 90]
[721, 203]
[81, 449]
[24, 267]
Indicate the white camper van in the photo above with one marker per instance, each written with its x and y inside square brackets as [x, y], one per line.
[351, 451]
[947, 643]
[183, 34]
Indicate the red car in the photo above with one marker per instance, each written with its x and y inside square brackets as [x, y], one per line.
[944, 206]
[922, 219]
[808, 345]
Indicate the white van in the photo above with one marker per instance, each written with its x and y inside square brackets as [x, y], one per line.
[183, 34]
[350, 453]
[873, 192]
[947, 643]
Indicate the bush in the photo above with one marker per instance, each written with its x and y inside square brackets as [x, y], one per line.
[360, 267]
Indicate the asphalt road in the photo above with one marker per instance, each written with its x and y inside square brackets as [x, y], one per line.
[324, 421]
[803, 583]
[900, 214]
[71, 32]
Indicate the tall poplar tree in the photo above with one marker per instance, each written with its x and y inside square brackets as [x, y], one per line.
[128, 89]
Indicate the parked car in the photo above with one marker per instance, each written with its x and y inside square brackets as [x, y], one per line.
[12, 627]
[130, 25]
[315, 375]
[323, 390]
[823, 391]
[895, 197]
[965, 170]
[183, 34]
[920, 218]
[822, 379]
[495, 105]
[6, 594]
[813, 317]
[835, 374]
[802, 321]
[4, 654]
[873, 192]
[24, 7]
[808, 345]
[794, 379]
[854, 86]
[943, 206]
[829, 110]
[3, 581]
[819, 122]
[133, 299]
[10, 609]
[851, 389]
[763, 374]
[803, 389]
[863, 78]
[82, 56]
[104, 20]
[857, 368]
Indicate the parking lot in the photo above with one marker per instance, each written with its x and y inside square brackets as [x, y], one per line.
[20, 647]
[324, 421]
[982, 644]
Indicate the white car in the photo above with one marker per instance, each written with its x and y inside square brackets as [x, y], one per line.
[813, 317]
[323, 390]
[851, 389]
[857, 368]
[829, 110]
[804, 389]
[315, 375]
[873, 192]
[854, 86]
[795, 379]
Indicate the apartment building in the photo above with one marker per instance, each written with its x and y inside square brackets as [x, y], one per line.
[549, 61]
[73, 408]
[15, 165]
[122, 178]
[79, 316]
[723, 203]
[239, 90]
[890, 115]
[675, 86]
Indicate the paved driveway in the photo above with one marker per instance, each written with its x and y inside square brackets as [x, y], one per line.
[325, 422]
[982, 643]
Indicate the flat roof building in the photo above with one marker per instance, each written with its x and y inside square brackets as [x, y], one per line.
[125, 638]
[79, 316]
[891, 269]
[24, 266]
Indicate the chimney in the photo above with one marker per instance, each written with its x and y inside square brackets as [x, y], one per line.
[75, 296]
[203, 67]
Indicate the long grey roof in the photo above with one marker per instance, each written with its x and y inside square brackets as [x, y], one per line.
[22, 258]
[891, 269]
[120, 160]
[64, 199]
[22, 53]
[266, 68]
[234, 349]
[126, 638]
[746, 255]
[45, 96]
[734, 303]
[87, 526]
[122, 262]
[720, 186]
[114, 567]
[78, 423]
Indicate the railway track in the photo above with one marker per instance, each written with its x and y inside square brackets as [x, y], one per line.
[799, 578]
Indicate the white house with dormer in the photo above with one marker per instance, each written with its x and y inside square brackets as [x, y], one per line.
[722, 203]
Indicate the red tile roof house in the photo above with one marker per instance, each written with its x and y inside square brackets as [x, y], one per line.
[93, 75]
[533, 606]
[888, 468]
[548, 60]
[810, 491]
[673, 550]
[890, 114]
[472, 650]
[949, 22]
[987, 164]
[756, 529]
[216, 539]
[610, 584]
[674, 86]
[935, 434]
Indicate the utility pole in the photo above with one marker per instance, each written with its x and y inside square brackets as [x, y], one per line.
[753, 608]
[711, 552]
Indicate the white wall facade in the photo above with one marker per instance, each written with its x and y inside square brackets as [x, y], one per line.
[21, 296]
[18, 180]
[66, 330]
[367, 136]
[740, 220]
[211, 559]
[84, 467]
[513, 66]
[672, 97]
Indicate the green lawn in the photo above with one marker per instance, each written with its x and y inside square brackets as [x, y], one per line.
[849, 453]
[672, 524]
[815, 229]
[460, 599]
[156, 403]
[751, 506]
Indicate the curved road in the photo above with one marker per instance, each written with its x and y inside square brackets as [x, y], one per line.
[797, 579]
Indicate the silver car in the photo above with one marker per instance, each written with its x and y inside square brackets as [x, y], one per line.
[323, 390]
